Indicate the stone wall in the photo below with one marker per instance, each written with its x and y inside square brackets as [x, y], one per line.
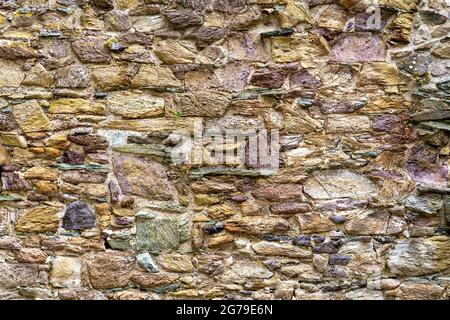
[93, 207]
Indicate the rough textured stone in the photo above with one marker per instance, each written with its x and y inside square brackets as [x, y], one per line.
[358, 47]
[78, 216]
[110, 269]
[415, 257]
[338, 184]
[66, 272]
[133, 106]
[98, 98]
[39, 219]
[154, 184]
[30, 117]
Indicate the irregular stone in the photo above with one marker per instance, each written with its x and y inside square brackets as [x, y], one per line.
[172, 52]
[153, 185]
[306, 49]
[16, 50]
[111, 77]
[417, 290]
[152, 280]
[118, 20]
[38, 76]
[184, 18]
[434, 175]
[12, 139]
[221, 211]
[382, 73]
[110, 269]
[426, 204]
[247, 269]
[268, 78]
[293, 14]
[358, 47]
[157, 77]
[41, 218]
[148, 23]
[66, 272]
[176, 262]
[78, 216]
[82, 176]
[156, 235]
[315, 222]
[281, 192]
[290, 208]
[31, 255]
[76, 106]
[302, 271]
[30, 117]
[74, 76]
[13, 76]
[132, 106]
[7, 122]
[145, 260]
[340, 124]
[13, 275]
[256, 225]
[12, 181]
[280, 249]
[441, 50]
[338, 184]
[414, 257]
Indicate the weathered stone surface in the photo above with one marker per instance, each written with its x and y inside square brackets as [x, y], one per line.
[338, 184]
[38, 76]
[303, 48]
[182, 19]
[176, 262]
[426, 204]
[280, 192]
[74, 106]
[159, 77]
[159, 234]
[290, 208]
[153, 185]
[97, 96]
[78, 216]
[42, 218]
[171, 52]
[110, 77]
[74, 76]
[415, 257]
[16, 50]
[278, 249]
[206, 103]
[91, 49]
[12, 181]
[66, 272]
[110, 269]
[256, 225]
[18, 274]
[30, 117]
[132, 106]
[145, 260]
[14, 76]
[358, 47]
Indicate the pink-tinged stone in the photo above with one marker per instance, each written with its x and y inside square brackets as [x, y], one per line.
[431, 174]
[268, 78]
[358, 47]
[303, 79]
[388, 123]
[234, 76]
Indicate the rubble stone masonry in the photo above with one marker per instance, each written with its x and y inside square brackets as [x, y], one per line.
[94, 93]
